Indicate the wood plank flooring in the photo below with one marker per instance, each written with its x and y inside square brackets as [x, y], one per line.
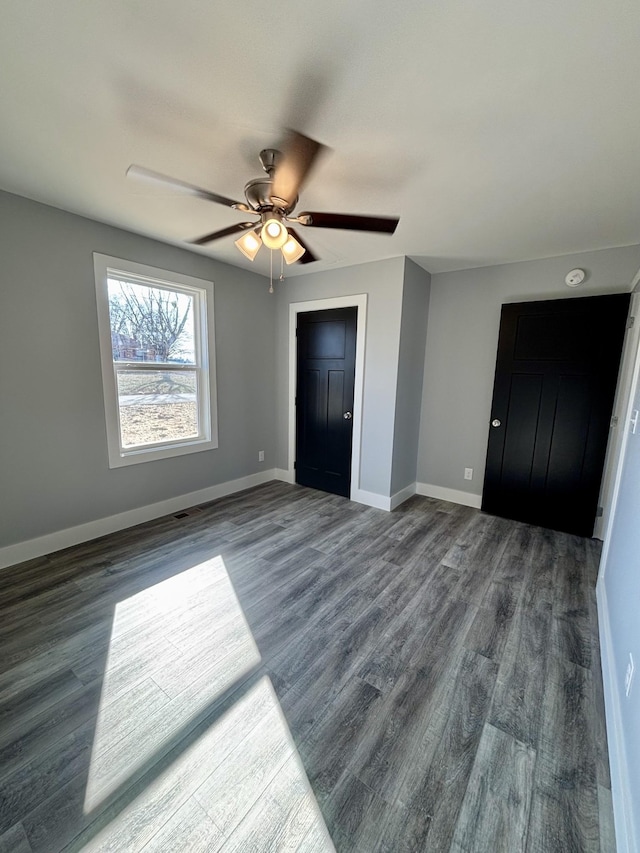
[284, 670]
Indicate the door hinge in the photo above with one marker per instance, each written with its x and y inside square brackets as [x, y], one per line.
[599, 512]
[614, 421]
[295, 466]
[630, 322]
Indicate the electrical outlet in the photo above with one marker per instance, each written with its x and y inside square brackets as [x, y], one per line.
[261, 456]
[628, 679]
[468, 473]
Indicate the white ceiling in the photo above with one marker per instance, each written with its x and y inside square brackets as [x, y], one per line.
[497, 131]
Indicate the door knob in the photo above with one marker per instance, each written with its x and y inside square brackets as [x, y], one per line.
[347, 416]
[496, 423]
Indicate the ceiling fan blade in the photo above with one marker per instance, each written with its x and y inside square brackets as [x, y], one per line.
[215, 235]
[308, 256]
[298, 156]
[349, 221]
[157, 178]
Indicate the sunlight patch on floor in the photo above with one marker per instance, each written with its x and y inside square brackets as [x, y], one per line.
[174, 649]
[240, 786]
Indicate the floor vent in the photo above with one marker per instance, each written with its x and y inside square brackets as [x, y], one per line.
[181, 515]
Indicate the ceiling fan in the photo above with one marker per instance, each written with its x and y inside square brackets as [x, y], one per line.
[272, 199]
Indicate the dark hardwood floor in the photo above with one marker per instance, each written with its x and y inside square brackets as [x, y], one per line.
[283, 669]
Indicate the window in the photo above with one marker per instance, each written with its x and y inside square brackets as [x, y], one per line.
[156, 343]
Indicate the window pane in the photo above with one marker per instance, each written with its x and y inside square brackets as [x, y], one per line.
[150, 323]
[157, 406]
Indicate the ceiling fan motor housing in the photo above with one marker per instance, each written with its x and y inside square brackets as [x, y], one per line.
[259, 198]
[258, 192]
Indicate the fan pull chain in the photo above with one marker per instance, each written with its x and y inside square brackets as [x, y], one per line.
[270, 270]
[281, 267]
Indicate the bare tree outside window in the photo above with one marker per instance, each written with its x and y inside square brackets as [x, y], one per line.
[153, 326]
[150, 324]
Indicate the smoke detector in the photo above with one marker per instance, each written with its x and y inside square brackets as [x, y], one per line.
[574, 278]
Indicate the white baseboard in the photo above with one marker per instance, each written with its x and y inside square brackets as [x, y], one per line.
[454, 496]
[33, 548]
[371, 499]
[403, 495]
[360, 495]
[620, 788]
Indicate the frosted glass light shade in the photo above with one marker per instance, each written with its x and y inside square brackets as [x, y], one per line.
[274, 234]
[292, 250]
[249, 244]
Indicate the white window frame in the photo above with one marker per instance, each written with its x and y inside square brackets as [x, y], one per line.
[106, 267]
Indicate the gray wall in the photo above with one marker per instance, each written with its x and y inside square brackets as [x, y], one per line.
[382, 281]
[462, 338]
[618, 597]
[621, 580]
[54, 471]
[413, 335]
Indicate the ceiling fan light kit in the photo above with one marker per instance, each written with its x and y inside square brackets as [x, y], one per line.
[249, 244]
[273, 198]
[274, 234]
[292, 250]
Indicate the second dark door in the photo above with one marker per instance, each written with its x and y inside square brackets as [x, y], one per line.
[326, 357]
[555, 381]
